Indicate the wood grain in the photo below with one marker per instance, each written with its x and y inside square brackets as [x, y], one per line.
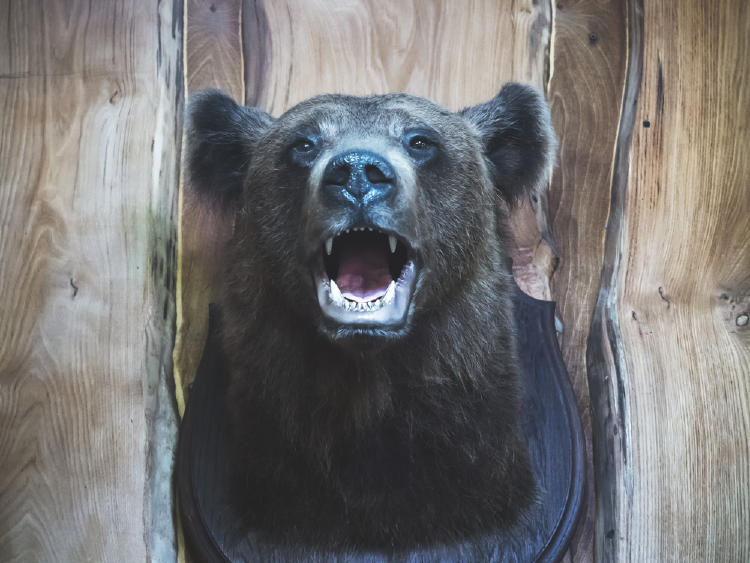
[654, 266]
[682, 285]
[363, 47]
[89, 138]
[589, 57]
[604, 352]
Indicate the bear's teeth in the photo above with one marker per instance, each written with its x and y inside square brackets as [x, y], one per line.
[329, 246]
[336, 296]
[392, 243]
[390, 293]
[362, 306]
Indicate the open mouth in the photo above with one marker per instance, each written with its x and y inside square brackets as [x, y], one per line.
[368, 278]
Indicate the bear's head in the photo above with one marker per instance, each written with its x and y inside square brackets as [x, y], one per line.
[355, 215]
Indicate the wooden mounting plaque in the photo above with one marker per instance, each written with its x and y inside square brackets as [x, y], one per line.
[550, 423]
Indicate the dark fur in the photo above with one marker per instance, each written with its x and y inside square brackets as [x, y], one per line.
[387, 441]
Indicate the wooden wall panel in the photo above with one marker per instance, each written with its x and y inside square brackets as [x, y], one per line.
[89, 141]
[455, 53]
[589, 58]
[682, 288]
[655, 248]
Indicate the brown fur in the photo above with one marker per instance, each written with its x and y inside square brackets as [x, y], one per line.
[374, 438]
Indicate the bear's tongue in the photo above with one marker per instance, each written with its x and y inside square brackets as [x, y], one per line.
[363, 273]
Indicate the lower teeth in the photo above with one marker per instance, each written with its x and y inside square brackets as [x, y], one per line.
[361, 306]
[368, 306]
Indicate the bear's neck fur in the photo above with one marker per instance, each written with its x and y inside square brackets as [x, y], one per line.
[409, 443]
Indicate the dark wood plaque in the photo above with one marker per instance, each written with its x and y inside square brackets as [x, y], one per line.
[550, 423]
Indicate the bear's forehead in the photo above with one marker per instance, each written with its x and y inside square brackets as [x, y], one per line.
[332, 115]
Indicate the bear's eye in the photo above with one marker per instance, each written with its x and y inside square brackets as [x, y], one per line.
[303, 150]
[303, 146]
[420, 143]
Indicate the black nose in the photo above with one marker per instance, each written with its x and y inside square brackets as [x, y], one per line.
[358, 176]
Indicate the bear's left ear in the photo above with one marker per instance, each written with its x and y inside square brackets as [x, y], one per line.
[519, 141]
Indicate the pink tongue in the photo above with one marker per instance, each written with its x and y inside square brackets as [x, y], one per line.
[363, 272]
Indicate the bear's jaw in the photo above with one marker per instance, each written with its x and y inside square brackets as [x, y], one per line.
[366, 281]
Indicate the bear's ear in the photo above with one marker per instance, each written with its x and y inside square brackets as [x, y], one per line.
[220, 136]
[519, 141]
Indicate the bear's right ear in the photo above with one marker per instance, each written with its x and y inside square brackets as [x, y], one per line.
[519, 142]
[221, 136]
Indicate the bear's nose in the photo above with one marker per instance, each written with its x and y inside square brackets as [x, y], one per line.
[359, 176]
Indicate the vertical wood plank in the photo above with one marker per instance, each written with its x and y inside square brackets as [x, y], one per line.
[682, 288]
[89, 137]
[214, 59]
[588, 60]
[452, 52]
[604, 352]
[214, 46]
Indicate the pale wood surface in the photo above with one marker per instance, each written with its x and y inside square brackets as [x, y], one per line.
[683, 281]
[88, 149]
[393, 46]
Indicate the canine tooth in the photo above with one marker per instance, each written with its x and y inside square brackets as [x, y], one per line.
[390, 293]
[392, 243]
[329, 248]
[336, 296]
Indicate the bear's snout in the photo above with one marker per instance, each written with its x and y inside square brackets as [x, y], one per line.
[359, 177]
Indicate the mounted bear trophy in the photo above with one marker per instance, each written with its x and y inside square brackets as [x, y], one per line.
[364, 393]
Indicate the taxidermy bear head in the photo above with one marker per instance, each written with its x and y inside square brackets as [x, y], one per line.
[367, 310]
